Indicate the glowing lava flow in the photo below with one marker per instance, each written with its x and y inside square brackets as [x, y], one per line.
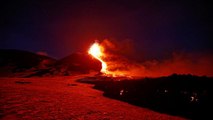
[97, 51]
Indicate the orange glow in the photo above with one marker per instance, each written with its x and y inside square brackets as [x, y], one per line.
[97, 51]
[115, 63]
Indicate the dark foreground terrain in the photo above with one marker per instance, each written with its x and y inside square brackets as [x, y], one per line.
[180, 95]
[62, 98]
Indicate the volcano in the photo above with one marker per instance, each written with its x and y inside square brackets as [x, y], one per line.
[21, 63]
[77, 63]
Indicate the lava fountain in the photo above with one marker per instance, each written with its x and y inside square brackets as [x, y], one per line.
[96, 50]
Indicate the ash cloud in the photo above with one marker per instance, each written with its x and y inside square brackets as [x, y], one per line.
[119, 54]
[120, 48]
[181, 63]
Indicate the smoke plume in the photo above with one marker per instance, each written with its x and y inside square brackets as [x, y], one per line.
[118, 60]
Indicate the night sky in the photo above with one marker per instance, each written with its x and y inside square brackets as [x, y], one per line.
[60, 28]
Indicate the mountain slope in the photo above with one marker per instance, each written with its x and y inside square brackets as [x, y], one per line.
[76, 62]
[14, 61]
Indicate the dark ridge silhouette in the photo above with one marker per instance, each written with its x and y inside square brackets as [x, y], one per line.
[77, 62]
[73, 64]
[19, 63]
[13, 61]
[21, 59]
[181, 95]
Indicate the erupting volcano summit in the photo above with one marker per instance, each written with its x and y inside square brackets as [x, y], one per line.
[96, 50]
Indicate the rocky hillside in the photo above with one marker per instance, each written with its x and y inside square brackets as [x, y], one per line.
[13, 62]
[75, 63]
[18, 63]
